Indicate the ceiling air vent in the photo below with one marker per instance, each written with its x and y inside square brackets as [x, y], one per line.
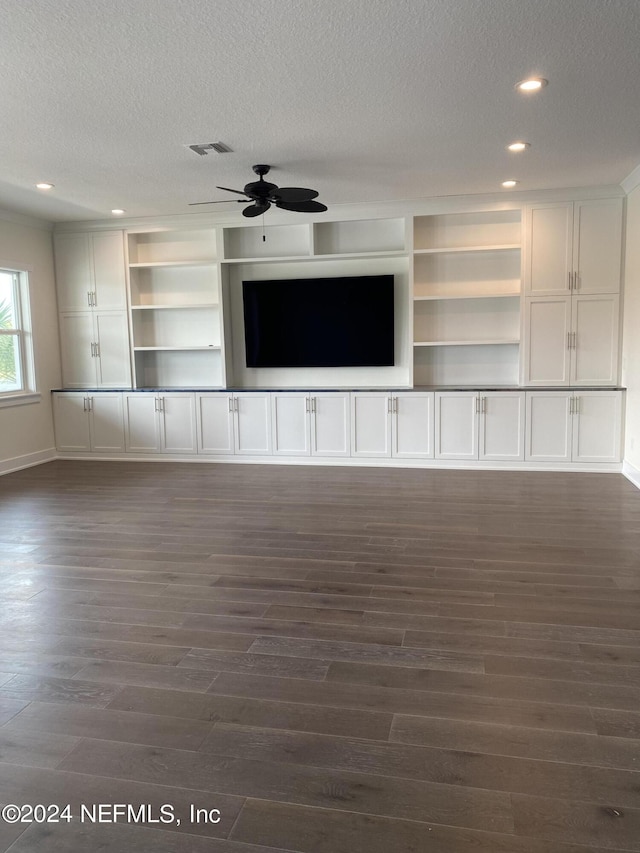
[204, 148]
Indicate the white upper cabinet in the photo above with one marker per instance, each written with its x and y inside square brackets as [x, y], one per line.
[573, 247]
[547, 337]
[90, 271]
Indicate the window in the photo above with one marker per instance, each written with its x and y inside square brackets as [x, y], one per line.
[16, 361]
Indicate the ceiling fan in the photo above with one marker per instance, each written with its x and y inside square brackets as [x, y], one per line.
[263, 195]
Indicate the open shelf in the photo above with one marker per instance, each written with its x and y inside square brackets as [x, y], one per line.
[184, 368]
[505, 247]
[280, 241]
[359, 237]
[502, 342]
[173, 285]
[449, 321]
[469, 364]
[465, 232]
[170, 248]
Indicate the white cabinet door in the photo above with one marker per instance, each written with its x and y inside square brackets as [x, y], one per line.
[178, 423]
[71, 420]
[371, 424]
[548, 426]
[252, 424]
[142, 423]
[330, 424]
[106, 420]
[107, 258]
[77, 350]
[74, 274]
[215, 423]
[548, 248]
[547, 354]
[112, 351]
[597, 245]
[456, 416]
[413, 425]
[290, 417]
[595, 324]
[597, 426]
[502, 425]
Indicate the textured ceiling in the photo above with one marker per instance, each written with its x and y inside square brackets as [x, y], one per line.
[364, 100]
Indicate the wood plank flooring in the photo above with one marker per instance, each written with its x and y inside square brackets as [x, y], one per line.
[335, 659]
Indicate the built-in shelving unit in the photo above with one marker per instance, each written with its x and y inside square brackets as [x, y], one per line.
[316, 250]
[174, 300]
[466, 297]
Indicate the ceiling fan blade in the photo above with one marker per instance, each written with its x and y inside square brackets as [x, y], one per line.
[220, 201]
[227, 190]
[302, 206]
[294, 194]
[256, 209]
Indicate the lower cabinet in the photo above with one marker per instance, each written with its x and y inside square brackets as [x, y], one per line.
[484, 425]
[573, 427]
[234, 423]
[89, 422]
[160, 422]
[306, 424]
[552, 426]
[392, 425]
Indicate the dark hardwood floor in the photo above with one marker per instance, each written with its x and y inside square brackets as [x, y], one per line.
[336, 659]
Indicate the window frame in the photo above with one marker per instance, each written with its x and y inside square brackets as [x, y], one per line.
[22, 332]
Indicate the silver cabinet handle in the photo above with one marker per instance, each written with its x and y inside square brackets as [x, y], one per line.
[92, 349]
[231, 404]
[235, 404]
[155, 404]
[576, 408]
[570, 274]
[90, 401]
[573, 338]
[389, 405]
[395, 405]
[568, 340]
[483, 407]
[97, 349]
[570, 405]
[314, 408]
[477, 406]
[89, 298]
[307, 405]
[84, 404]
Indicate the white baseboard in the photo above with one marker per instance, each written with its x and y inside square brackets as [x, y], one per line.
[17, 463]
[631, 473]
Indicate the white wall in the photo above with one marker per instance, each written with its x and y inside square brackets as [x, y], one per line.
[631, 333]
[26, 432]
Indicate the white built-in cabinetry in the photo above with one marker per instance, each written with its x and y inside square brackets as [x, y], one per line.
[310, 424]
[466, 304]
[160, 423]
[484, 425]
[89, 423]
[570, 427]
[386, 424]
[175, 305]
[94, 336]
[572, 283]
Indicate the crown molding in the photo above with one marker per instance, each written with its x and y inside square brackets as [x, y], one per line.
[631, 181]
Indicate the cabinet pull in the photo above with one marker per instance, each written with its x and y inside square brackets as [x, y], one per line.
[483, 407]
[477, 406]
[306, 405]
[573, 339]
[84, 404]
[389, 405]
[395, 405]
[231, 404]
[89, 298]
[90, 401]
[313, 405]
[568, 340]
[570, 275]
[235, 404]
[97, 346]
[92, 350]
[576, 407]
[572, 405]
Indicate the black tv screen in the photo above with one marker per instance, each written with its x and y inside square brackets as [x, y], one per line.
[319, 322]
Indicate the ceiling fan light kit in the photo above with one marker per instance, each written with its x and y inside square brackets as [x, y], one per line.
[263, 194]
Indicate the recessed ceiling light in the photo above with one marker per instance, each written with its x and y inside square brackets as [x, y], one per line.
[508, 184]
[117, 211]
[43, 185]
[533, 84]
[518, 146]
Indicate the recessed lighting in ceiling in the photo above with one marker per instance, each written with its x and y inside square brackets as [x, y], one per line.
[118, 211]
[43, 185]
[532, 84]
[518, 146]
[509, 184]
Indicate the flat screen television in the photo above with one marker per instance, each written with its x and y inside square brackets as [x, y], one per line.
[319, 322]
